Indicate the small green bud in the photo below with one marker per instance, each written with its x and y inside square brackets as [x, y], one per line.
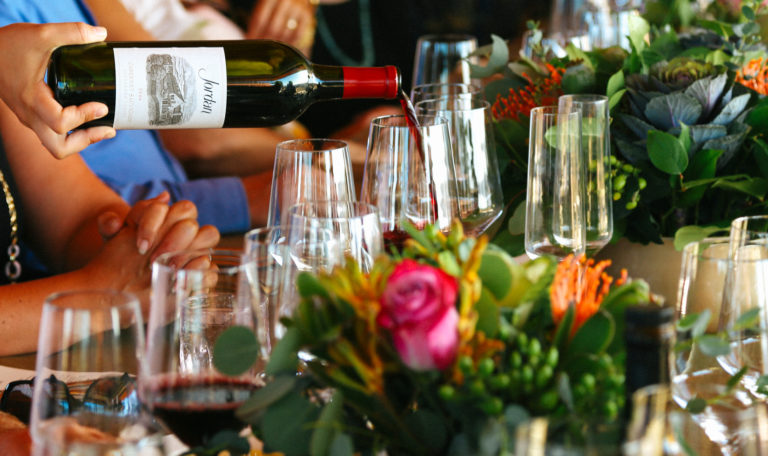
[627, 168]
[631, 205]
[492, 406]
[500, 382]
[534, 348]
[515, 360]
[548, 400]
[477, 387]
[553, 357]
[485, 367]
[641, 183]
[588, 380]
[447, 392]
[543, 376]
[619, 182]
[527, 375]
[616, 196]
[466, 365]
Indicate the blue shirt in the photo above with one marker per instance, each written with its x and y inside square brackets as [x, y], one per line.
[134, 163]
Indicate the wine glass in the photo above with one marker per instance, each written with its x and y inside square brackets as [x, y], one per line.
[196, 296]
[478, 184]
[703, 286]
[751, 229]
[596, 152]
[409, 175]
[554, 207]
[434, 90]
[443, 58]
[309, 169]
[85, 398]
[567, 436]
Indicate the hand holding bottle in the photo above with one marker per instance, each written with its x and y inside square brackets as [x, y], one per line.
[24, 53]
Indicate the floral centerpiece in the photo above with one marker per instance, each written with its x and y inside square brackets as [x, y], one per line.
[689, 118]
[441, 349]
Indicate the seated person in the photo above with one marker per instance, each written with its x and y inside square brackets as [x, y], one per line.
[84, 231]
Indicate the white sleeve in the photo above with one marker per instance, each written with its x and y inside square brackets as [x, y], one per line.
[169, 20]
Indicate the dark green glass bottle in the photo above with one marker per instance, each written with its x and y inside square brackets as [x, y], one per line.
[205, 84]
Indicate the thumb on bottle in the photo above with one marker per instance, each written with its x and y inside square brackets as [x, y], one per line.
[78, 33]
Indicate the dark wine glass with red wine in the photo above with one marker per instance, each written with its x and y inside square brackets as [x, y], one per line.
[409, 175]
[196, 296]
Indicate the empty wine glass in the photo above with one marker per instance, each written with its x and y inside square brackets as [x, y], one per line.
[567, 436]
[446, 89]
[309, 169]
[85, 398]
[596, 154]
[751, 229]
[554, 211]
[703, 289]
[443, 58]
[478, 184]
[409, 175]
[197, 295]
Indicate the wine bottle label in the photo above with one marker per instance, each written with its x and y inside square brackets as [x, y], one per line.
[170, 88]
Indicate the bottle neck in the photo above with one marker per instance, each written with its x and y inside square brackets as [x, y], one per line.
[357, 82]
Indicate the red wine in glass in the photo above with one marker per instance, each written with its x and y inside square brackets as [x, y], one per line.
[197, 409]
[396, 237]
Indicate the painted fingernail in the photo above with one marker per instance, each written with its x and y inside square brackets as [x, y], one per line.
[143, 246]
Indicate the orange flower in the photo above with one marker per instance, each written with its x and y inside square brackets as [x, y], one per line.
[754, 75]
[581, 283]
[521, 101]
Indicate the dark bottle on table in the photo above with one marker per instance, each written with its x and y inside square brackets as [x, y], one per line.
[648, 336]
[205, 84]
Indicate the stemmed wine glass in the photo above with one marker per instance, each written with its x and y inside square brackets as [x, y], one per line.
[309, 169]
[409, 175]
[85, 398]
[596, 157]
[443, 58]
[478, 184]
[554, 210]
[704, 277]
[196, 296]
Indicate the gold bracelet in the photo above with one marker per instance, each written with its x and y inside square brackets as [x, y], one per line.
[12, 267]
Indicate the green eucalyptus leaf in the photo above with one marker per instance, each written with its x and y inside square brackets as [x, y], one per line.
[666, 152]
[735, 379]
[262, 398]
[696, 405]
[287, 425]
[748, 12]
[717, 57]
[696, 323]
[594, 336]
[703, 166]
[341, 445]
[748, 319]
[713, 345]
[497, 59]
[235, 351]
[325, 431]
[309, 285]
[693, 233]
[284, 356]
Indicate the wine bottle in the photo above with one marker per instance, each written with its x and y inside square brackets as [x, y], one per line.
[205, 84]
[649, 332]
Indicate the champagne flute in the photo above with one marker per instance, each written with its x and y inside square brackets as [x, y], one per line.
[596, 153]
[309, 169]
[478, 184]
[409, 175]
[443, 58]
[85, 398]
[554, 208]
[268, 248]
[196, 296]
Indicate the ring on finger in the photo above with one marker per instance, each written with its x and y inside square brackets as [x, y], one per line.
[291, 24]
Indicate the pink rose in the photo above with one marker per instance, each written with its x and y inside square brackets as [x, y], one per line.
[418, 306]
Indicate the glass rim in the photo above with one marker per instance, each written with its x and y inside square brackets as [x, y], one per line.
[585, 97]
[484, 105]
[552, 111]
[399, 121]
[691, 250]
[447, 38]
[312, 145]
[747, 218]
[372, 210]
[128, 300]
[162, 260]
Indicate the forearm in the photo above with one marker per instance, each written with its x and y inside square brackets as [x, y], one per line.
[222, 152]
[21, 305]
